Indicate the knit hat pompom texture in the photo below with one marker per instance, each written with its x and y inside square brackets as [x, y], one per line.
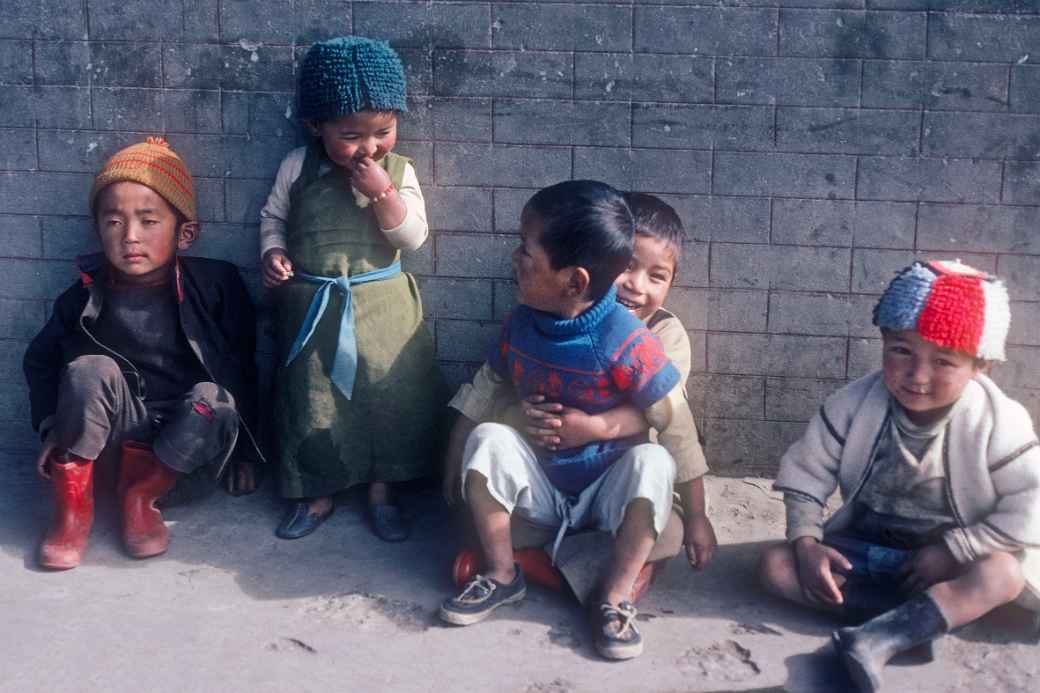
[154, 164]
[949, 304]
[349, 74]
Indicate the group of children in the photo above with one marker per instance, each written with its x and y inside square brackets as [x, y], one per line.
[574, 447]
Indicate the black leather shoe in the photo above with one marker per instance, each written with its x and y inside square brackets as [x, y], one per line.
[299, 521]
[388, 523]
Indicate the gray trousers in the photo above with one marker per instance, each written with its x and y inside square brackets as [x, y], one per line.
[97, 412]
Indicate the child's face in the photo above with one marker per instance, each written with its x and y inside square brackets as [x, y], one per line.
[363, 134]
[643, 287]
[139, 233]
[538, 284]
[923, 377]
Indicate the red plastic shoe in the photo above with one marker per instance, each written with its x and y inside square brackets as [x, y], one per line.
[143, 480]
[536, 564]
[66, 540]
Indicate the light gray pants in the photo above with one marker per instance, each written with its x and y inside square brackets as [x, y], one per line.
[97, 411]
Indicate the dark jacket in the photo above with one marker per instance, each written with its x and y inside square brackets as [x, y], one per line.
[216, 315]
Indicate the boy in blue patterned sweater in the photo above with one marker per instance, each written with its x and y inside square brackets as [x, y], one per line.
[571, 341]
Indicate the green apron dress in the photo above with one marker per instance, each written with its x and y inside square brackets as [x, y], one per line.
[387, 431]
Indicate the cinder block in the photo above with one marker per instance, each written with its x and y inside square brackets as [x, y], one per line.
[464, 340]
[193, 65]
[317, 20]
[797, 399]
[476, 164]
[981, 228]
[461, 120]
[66, 238]
[254, 156]
[702, 126]
[265, 68]
[17, 149]
[245, 198]
[419, 261]
[1025, 89]
[861, 315]
[601, 123]
[205, 155]
[983, 135]
[1025, 324]
[1020, 368]
[734, 396]
[813, 222]
[35, 279]
[796, 356]
[509, 203]
[643, 77]
[731, 310]
[864, 357]
[22, 319]
[456, 298]
[966, 87]
[16, 62]
[461, 255]
[62, 63]
[797, 175]
[255, 21]
[505, 299]
[788, 81]
[457, 373]
[117, 20]
[698, 350]
[418, 69]
[847, 131]
[893, 83]
[935, 180]
[692, 270]
[705, 30]
[25, 192]
[852, 34]
[19, 438]
[128, 109]
[984, 37]
[20, 235]
[563, 27]
[728, 219]
[421, 154]
[202, 20]
[1022, 275]
[1021, 182]
[503, 73]
[690, 306]
[195, 110]
[11, 352]
[884, 224]
[14, 402]
[125, 64]
[646, 170]
[795, 268]
[49, 19]
[237, 243]
[458, 209]
[17, 108]
[872, 270]
[737, 448]
[815, 314]
[423, 24]
[60, 107]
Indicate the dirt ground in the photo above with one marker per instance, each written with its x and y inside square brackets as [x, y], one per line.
[232, 608]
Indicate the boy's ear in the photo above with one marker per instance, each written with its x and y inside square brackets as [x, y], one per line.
[187, 234]
[578, 282]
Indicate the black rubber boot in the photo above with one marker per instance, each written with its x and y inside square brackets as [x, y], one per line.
[866, 649]
[865, 599]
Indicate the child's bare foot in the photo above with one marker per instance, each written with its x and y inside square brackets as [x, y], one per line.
[304, 516]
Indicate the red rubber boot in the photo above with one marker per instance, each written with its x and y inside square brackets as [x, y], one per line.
[536, 564]
[66, 540]
[143, 480]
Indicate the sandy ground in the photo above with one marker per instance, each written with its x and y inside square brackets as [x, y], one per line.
[232, 608]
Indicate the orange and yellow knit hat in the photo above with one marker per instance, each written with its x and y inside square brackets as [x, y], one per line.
[154, 164]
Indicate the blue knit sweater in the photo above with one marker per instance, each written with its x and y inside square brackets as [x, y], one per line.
[597, 361]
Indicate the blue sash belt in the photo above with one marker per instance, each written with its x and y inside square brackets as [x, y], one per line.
[344, 367]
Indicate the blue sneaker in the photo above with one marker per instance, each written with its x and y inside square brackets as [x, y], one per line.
[479, 597]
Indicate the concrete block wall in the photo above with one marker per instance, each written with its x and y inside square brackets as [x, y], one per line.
[811, 146]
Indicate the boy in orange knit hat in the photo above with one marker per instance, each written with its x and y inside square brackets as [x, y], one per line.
[148, 356]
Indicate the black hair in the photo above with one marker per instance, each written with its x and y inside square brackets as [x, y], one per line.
[587, 224]
[656, 218]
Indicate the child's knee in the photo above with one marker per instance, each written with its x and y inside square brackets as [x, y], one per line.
[212, 401]
[92, 368]
[1002, 575]
[653, 462]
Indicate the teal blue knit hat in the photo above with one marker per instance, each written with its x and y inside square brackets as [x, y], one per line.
[349, 74]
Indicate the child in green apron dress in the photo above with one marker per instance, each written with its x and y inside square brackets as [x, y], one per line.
[357, 389]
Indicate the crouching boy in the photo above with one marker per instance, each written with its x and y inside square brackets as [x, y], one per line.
[939, 473]
[148, 356]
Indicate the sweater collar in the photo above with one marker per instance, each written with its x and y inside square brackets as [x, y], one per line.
[554, 325]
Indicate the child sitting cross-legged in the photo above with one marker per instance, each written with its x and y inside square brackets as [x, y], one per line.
[570, 340]
[939, 473]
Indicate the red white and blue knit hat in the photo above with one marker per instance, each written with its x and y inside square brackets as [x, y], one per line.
[949, 304]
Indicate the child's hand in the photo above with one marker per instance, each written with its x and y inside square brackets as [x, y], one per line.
[556, 427]
[369, 178]
[816, 564]
[699, 539]
[927, 566]
[49, 443]
[278, 268]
